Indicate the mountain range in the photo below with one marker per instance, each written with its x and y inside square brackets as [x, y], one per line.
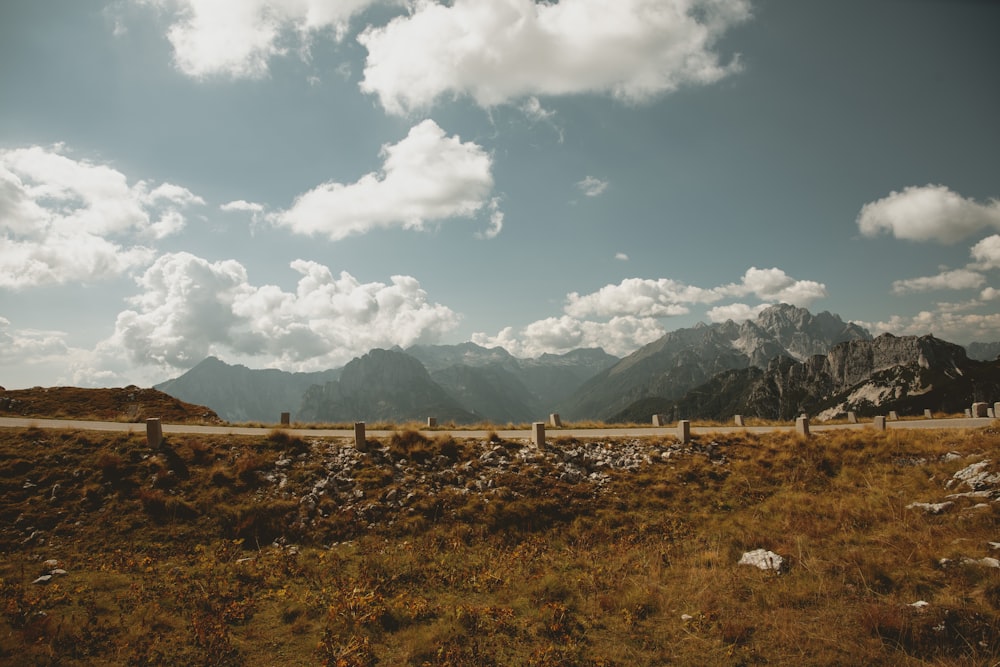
[784, 362]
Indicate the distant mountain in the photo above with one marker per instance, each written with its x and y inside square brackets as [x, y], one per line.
[684, 359]
[238, 393]
[493, 392]
[983, 351]
[905, 374]
[466, 382]
[383, 385]
[530, 388]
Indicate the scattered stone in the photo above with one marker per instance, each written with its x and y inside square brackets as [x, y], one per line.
[975, 476]
[44, 579]
[763, 559]
[931, 508]
[920, 604]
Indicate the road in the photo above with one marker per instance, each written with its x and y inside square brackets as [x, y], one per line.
[131, 427]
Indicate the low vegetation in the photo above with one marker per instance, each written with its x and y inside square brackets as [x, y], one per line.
[125, 404]
[446, 551]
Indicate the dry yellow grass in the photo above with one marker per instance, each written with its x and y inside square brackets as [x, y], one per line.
[206, 552]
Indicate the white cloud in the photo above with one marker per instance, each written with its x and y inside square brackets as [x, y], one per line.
[954, 325]
[665, 297]
[242, 206]
[957, 279]
[496, 221]
[928, 213]
[619, 336]
[776, 286]
[425, 177]
[639, 297]
[64, 220]
[18, 346]
[592, 187]
[190, 308]
[989, 294]
[497, 51]
[621, 257]
[737, 312]
[238, 38]
[533, 109]
[986, 253]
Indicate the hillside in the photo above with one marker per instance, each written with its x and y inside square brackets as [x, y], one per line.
[120, 404]
[233, 551]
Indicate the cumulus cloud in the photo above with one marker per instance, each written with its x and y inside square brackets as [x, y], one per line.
[621, 257]
[496, 51]
[986, 253]
[427, 176]
[190, 308]
[238, 38]
[776, 286]
[952, 324]
[639, 298]
[667, 298]
[737, 312]
[242, 206]
[32, 345]
[619, 336]
[957, 279]
[64, 220]
[592, 187]
[928, 213]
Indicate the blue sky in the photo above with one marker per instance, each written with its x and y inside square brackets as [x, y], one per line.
[290, 183]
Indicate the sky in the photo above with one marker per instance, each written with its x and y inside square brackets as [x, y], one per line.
[291, 183]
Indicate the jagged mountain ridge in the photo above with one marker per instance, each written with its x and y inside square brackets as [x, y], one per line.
[683, 359]
[906, 374]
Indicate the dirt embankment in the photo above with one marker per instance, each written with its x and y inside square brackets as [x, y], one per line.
[118, 404]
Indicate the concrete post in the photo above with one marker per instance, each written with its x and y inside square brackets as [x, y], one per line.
[802, 426]
[432, 422]
[684, 431]
[928, 414]
[991, 413]
[659, 420]
[968, 412]
[879, 423]
[154, 433]
[893, 417]
[359, 437]
[978, 409]
[554, 420]
[738, 419]
[286, 418]
[852, 418]
[996, 408]
[538, 433]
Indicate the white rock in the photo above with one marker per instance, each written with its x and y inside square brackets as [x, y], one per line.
[920, 604]
[762, 559]
[931, 508]
[44, 579]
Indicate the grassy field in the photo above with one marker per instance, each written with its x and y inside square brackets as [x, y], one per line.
[280, 550]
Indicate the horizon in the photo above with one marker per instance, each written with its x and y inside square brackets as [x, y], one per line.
[289, 185]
